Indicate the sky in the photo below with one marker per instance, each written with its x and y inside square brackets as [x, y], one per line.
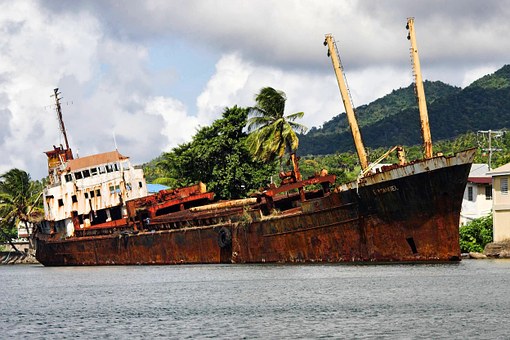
[142, 76]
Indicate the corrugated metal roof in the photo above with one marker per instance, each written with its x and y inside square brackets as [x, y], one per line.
[155, 188]
[95, 160]
[479, 174]
[502, 170]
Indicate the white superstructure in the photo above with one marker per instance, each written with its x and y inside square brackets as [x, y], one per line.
[92, 190]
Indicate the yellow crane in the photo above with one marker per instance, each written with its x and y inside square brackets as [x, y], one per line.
[346, 98]
[420, 92]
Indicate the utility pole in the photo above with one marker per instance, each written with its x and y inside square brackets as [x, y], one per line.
[490, 134]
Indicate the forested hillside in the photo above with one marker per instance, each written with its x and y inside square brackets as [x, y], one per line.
[394, 119]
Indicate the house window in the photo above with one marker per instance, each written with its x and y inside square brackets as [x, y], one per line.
[60, 202]
[98, 192]
[488, 192]
[470, 194]
[68, 177]
[504, 186]
[93, 171]
[74, 199]
[78, 175]
[86, 195]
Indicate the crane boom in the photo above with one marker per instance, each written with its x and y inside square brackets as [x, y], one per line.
[420, 92]
[344, 92]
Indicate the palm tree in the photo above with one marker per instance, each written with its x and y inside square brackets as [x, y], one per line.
[273, 133]
[18, 201]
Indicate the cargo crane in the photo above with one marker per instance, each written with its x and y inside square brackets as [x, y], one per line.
[347, 100]
[420, 92]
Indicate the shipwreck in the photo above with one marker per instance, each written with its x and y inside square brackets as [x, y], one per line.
[98, 212]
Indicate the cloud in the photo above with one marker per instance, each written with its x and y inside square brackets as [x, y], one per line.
[178, 125]
[102, 56]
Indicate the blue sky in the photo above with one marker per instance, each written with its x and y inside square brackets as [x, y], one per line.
[153, 71]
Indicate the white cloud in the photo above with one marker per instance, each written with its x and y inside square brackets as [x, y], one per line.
[178, 125]
[224, 88]
[473, 74]
[98, 53]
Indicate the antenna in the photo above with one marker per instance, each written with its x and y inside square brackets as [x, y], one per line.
[59, 116]
[115, 141]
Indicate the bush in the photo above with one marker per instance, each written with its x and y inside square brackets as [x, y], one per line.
[476, 234]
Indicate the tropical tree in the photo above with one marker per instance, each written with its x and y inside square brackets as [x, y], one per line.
[218, 156]
[271, 132]
[19, 196]
[476, 234]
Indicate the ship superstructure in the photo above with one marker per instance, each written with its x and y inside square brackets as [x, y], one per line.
[87, 191]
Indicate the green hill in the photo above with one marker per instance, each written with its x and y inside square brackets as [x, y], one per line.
[394, 118]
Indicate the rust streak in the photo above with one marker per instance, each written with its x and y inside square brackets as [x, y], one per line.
[312, 228]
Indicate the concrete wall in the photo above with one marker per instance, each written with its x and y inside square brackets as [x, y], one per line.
[501, 210]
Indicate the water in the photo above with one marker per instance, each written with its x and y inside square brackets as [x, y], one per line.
[456, 301]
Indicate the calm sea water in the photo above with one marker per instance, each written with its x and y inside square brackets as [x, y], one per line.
[456, 301]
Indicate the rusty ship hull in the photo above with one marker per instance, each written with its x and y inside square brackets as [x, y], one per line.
[407, 213]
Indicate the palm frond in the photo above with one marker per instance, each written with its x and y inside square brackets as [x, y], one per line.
[293, 116]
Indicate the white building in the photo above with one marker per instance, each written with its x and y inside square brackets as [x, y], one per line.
[477, 200]
[501, 207]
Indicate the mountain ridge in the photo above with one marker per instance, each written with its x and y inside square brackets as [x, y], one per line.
[394, 118]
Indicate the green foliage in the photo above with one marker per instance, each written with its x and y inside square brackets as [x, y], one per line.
[344, 166]
[272, 133]
[19, 201]
[217, 156]
[394, 119]
[476, 234]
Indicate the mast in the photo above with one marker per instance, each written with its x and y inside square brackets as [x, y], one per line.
[59, 116]
[346, 98]
[420, 92]
[58, 156]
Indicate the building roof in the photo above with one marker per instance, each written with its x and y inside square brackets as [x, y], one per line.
[95, 160]
[501, 171]
[479, 174]
[155, 188]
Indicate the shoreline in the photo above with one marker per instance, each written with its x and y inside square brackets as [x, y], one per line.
[11, 258]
